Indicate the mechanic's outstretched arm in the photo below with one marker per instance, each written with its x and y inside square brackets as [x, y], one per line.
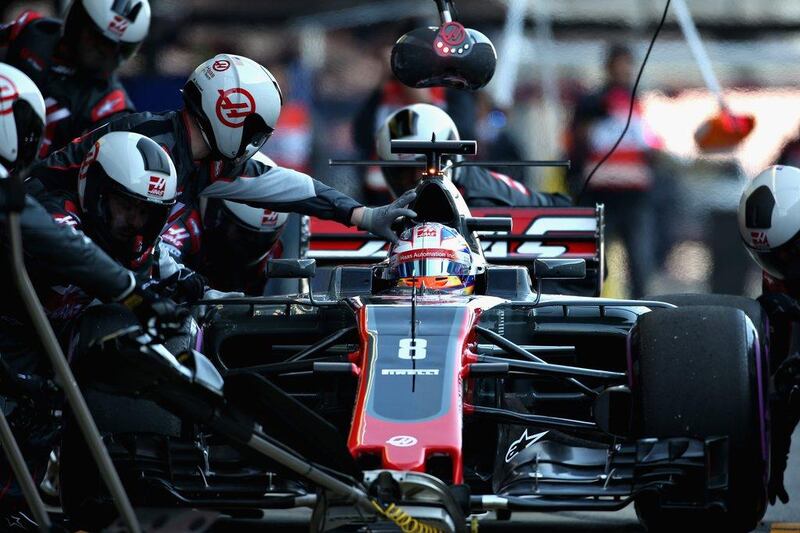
[281, 189]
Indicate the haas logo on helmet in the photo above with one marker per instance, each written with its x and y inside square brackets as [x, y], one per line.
[118, 25]
[234, 105]
[270, 218]
[759, 239]
[8, 95]
[157, 186]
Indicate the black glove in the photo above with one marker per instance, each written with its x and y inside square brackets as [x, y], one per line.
[779, 303]
[785, 416]
[156, 313]
[379, 220]
[185, 285]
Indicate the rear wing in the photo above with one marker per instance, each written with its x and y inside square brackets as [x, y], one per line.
[567, 232]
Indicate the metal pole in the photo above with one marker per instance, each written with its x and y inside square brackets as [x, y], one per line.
[67, 379]
[22, 475]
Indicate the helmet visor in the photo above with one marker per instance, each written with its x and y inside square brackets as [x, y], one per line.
[29, 133]
[255, 133]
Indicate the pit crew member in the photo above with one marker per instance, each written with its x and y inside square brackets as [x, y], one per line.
[228, 243]
[231, 107]
[73, 62]
[769, 224]
[479, 186]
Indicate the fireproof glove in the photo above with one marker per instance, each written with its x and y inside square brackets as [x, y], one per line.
[379, 220]
[785, 416]
[158, 315]
[184, 285]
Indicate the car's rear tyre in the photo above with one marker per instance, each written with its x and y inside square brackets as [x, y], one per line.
[696, 373]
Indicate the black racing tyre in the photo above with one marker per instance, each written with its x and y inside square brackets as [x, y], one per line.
[696, 374]
[84, 496]
[751, 307]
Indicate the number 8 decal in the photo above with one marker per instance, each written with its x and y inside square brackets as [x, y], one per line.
[412, 348]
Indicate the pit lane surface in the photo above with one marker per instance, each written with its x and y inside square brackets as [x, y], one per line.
[777, 518]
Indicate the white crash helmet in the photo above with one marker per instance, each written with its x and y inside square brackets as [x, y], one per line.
[769, 221]
[236, 103]
[432, 256]
[247, 233]
[121, 23]
[417, 122]
[22, 118]
[131, 165]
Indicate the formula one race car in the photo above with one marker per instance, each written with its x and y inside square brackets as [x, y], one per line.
[434, 408]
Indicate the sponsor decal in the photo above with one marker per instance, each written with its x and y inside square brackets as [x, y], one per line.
[221, 65]
[410, 372]
[426, 231]
[118, 25]
[412, 349]
[402, 441]
[8, 95]
[426, 253]
[113, 102]
[524, 441]
[175, 236]
[759, 239]
[234, 105]
[157, 186]
[270, 218]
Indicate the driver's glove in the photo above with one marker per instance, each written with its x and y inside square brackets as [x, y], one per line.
[156, 313]
[379, 220]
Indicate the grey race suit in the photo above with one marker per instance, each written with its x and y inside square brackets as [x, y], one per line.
[254, 182]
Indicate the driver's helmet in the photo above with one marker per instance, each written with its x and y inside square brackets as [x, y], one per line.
[127, 186]
[432, 256]
[769, 221]
[245, 234]
[417, 122]
[101, 34]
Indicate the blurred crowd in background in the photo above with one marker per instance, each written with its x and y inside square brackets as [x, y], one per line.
[561, 90]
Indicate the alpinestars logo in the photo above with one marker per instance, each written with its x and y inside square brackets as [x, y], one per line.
[523, 442]
[759, 239]
[157, 186]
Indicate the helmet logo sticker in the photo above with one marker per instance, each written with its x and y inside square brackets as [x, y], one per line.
[234, 105]
[8, 95]
[157, 186]
[118, 25]
[221, 65]
[270, 218]
[759, 239]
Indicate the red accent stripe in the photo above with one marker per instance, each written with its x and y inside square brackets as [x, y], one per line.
[22, 21]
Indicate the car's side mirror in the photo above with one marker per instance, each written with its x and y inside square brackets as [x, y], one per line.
[291, 268]
[559, 269]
